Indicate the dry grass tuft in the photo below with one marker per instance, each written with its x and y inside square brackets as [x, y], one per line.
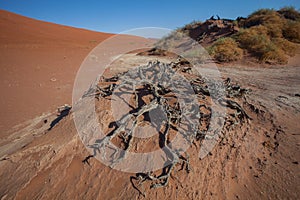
[226, 50]
[288, 47]
[291, 31]
[289, 13]
[257, 41]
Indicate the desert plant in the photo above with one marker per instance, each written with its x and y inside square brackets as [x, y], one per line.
[259, 17]
[267, 34]
[226, 50]
[289, 13]
[268, 18]
[196, 55]
[257, 41]
[288, 47]
[253, 39]
[291, 31]
[191, 25]
[246, 37]
[178, 119]
[273, 55]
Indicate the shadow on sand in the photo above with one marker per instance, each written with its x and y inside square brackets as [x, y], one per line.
[62, 114]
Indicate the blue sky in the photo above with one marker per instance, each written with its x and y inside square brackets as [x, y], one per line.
[117, 16]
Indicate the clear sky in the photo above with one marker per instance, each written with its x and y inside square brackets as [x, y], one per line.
[116, 16]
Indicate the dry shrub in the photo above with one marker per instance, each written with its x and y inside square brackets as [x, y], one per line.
[289, 13]
[249, 38]
[258, 42]
[291, 31]
[273, 55]
[288, 47]
[268, 18]
[259, 17]
[226, 50]
[254, 39]
[275, 29]
[192, 25]
[267, 34]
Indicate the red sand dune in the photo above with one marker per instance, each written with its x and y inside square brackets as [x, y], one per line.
[39, 61]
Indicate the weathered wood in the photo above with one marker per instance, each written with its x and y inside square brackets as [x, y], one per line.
[155, 78]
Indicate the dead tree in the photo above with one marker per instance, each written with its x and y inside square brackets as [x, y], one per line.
[165, 84]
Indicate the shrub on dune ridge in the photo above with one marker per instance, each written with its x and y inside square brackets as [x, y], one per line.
[291, 31]
[269, 34]
[288, 47]
[268, 18]
[266, 34]
[257, 41]
[273, 55]
[226, 50]
[252, 37]
[289, 13]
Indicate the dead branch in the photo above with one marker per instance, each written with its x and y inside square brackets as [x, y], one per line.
[155, 78]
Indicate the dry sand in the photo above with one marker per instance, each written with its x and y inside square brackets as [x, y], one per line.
[38, 62]
[259, 160]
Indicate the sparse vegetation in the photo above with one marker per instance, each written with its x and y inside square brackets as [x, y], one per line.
[269, 34]
[288, 47]
[92, 41]
[226, 50]
[268, 18]
[191, 25]
[257, 41]
[291, 31]
[290, 13]
[266, 34]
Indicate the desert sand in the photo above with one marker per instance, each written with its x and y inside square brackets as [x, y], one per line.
[257, 160]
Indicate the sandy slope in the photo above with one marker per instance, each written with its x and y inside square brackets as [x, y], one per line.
[257, 160]
[38, 65]
[39, 62]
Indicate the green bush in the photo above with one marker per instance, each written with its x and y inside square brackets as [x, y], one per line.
[226, 50]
